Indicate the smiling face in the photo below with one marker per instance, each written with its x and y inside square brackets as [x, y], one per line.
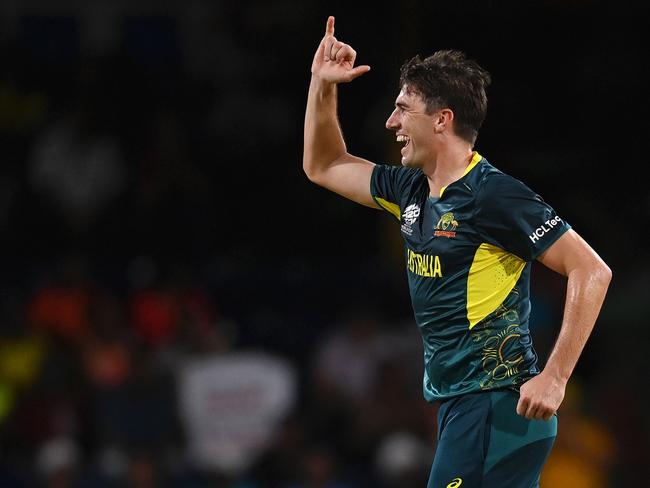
[414, 127]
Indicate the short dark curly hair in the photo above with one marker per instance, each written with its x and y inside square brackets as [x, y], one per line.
[447, 79]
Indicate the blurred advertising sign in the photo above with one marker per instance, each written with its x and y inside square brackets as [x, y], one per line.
[231, 405]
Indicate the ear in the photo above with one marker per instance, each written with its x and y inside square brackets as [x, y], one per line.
[442, 120]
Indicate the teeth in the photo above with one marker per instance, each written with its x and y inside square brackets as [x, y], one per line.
[402, 138]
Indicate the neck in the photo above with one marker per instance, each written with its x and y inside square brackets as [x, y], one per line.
[448, 166]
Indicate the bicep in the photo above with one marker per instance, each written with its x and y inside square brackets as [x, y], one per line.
[349, 176]
[569, 252]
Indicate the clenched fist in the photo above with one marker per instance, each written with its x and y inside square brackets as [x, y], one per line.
[540, 397]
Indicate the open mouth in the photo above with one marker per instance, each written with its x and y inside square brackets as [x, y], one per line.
[403, 138]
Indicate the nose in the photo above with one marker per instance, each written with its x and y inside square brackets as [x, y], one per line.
[391, 123]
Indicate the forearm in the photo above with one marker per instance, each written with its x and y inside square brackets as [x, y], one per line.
[322, 138]
[586, 289]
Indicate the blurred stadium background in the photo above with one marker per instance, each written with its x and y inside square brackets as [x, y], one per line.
[179, 306]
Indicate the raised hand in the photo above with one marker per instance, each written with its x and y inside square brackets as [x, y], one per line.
[334, 60]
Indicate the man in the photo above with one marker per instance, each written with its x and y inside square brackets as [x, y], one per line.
[470, 233]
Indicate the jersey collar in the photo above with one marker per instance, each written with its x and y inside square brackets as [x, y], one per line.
[476, 157]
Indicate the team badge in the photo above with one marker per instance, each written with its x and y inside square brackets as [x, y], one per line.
[446, 226]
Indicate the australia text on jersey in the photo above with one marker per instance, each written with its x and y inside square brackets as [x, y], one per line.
[424, 264]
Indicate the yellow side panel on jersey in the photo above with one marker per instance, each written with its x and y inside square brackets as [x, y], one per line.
[391, 207]
[492, 276]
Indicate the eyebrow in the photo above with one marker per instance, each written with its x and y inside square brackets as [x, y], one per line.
[401, 105]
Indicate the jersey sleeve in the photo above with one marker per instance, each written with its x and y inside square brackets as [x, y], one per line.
[387, 186]
[513, 217]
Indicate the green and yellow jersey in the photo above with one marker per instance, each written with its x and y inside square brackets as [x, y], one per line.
[468, 256]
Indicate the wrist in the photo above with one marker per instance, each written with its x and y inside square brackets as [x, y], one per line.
[556, 374]
[321, 84]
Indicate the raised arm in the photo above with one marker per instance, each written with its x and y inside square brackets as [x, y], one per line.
[588, 280]
[325, 158]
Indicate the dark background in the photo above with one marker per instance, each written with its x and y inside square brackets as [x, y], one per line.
[152, 200]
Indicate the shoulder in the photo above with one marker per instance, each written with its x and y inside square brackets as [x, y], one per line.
[397, 171]
[493, 185]
[399, 177]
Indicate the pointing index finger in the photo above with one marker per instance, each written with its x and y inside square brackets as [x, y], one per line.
[329, 29]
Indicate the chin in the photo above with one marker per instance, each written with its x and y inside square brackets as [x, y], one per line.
[408, 163]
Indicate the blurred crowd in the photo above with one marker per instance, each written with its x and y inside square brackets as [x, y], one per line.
[148, 384]
[180, 307]
[148, 389]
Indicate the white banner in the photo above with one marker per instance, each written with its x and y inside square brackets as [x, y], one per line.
[231, 405]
